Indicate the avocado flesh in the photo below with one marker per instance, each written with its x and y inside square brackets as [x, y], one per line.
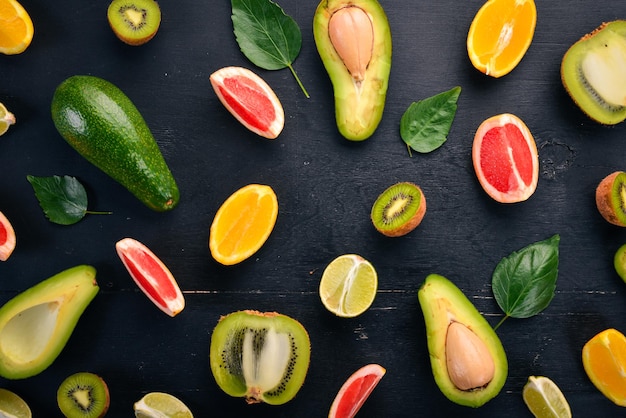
[36, 324]
[442, 303]
[359, 104]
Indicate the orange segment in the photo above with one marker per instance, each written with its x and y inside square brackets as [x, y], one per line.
[243, 223]
[604, 360]
[16, 28]
[500, 35]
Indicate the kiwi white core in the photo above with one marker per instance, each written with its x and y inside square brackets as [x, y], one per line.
[604, 68]
[264, 368]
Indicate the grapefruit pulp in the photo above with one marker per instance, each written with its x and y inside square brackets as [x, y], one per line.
[355, 391]
[505, 158]
[249, 99]
[7, 238]
[151, 275]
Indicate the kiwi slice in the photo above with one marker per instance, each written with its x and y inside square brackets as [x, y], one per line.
[611, 198]
[399, 209]
[260, 356]
[83, 395]
[593, 72]
[134, 22]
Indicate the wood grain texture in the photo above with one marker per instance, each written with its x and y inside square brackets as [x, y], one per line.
[325, 186]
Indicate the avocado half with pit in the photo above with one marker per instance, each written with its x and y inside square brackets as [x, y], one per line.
[36, 324]
[353, 39]
[468, 361]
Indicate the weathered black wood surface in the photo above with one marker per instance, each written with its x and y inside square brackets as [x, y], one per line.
[325, 186]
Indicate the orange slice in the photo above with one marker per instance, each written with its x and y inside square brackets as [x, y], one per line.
[243, 223]
[151, 275]
[604, 360]
[16, 28]
[7, 238]
[505, 158]
[355, 391]
[500, 35]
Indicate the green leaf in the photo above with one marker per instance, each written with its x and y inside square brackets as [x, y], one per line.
[63, 199]
[266, 35]
[425, 124]
[524, 282]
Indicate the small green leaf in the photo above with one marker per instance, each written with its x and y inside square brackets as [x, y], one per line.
[524, 282]
[267, 36]
[425, 124]
[63, 199]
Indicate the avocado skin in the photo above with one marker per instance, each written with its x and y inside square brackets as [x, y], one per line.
[358, 110]
[442, 302]
[100, 122]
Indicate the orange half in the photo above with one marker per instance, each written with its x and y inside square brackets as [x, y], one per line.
[16, 28]
[243, 223]
[500, 35]
[604, 360]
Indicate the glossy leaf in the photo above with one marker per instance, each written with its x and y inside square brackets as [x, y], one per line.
[523, 283]
[425, 125]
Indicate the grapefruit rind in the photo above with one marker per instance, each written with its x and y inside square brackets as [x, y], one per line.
[247, 97]
[7, 238]
[355, 391]
[151, 276]
[522, 189]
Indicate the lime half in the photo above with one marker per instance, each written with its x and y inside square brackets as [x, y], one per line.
[6, 119]
[161, 405]
[12, 406]
[544, 398]
[348, 285]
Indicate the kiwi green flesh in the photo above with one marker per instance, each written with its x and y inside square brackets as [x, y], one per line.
[263, 357]
[134, 22]
[83, 394]
[618, 197]
[593, 72]
[396, 207]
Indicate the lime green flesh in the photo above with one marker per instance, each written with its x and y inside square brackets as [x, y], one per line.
[36, 324]
[619, 262]
[593, 71]
[100, 122]
[359, 99]
[442, 302]
[618, 197]
[253, 355]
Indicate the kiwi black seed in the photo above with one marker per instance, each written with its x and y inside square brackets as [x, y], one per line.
[83, 395]
[399, 209]
[593, 72]
[134, 22]
[611, 198]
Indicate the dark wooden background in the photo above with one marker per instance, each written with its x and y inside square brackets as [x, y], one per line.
[325, 186]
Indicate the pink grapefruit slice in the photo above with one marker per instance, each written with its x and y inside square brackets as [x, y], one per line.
[7, 238]
[505, 158]
[249, 99]
[151, 275]
[355, 391]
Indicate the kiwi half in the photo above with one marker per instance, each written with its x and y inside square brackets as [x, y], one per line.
[593, 72]
[611, 198]
[83, 395]
[262, 357]
[399, 209]
[134, 22]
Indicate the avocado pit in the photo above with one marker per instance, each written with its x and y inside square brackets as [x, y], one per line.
[469, 362]
[352, 35]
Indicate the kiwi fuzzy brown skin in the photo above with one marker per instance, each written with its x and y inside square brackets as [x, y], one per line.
[125, 30]
[408, 225]
[97, 394]
[604, 199]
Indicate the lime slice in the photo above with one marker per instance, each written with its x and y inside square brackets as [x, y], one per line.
[161, 405]
[544, 398]
[6, 119]
[12, 406]
[348, 285]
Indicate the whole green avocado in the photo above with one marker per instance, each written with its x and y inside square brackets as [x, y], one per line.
[353, 40]
[100, 122]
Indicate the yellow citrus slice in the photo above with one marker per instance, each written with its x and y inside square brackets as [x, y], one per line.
[243, 223]
[12, 406]
[16, 28]
[161, 405]
[604, 360]
[500, 35]
[544, 398]
[6, 118]
[348, 285]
